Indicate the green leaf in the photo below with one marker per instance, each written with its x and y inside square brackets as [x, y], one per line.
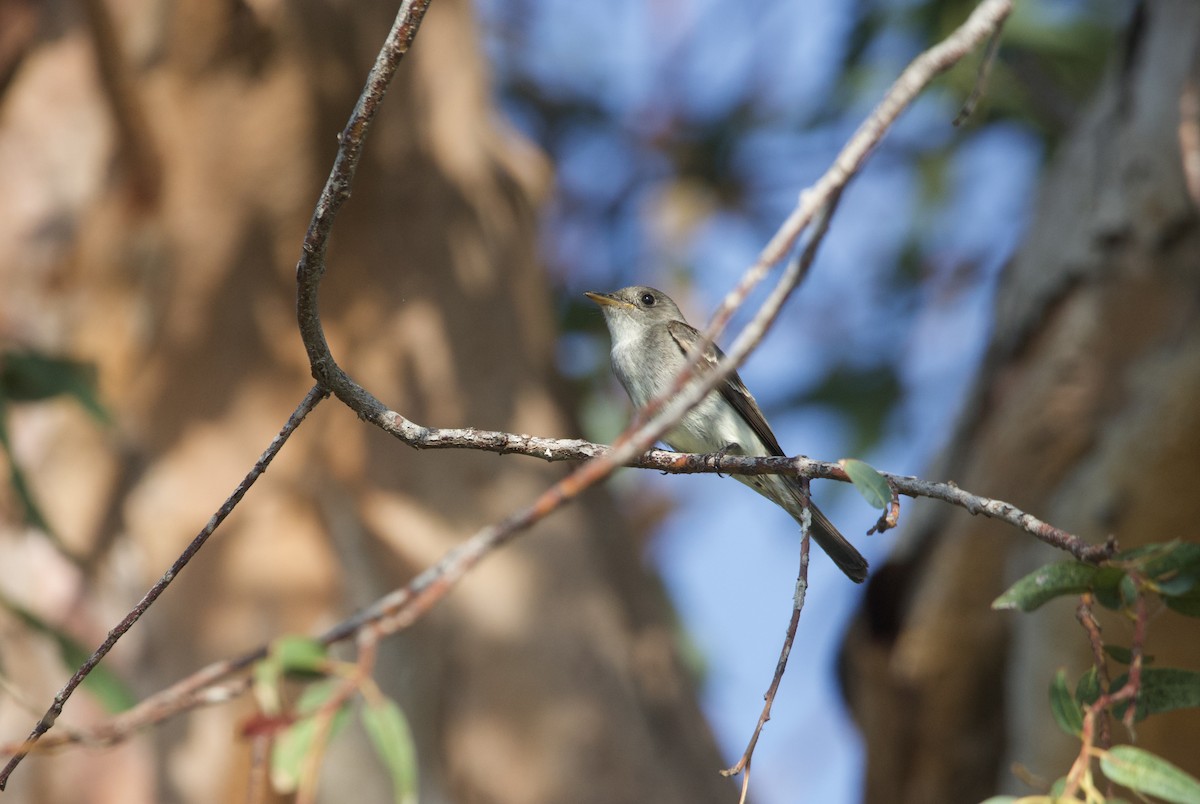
[1151, 775]
[1047, 583]
[1087, 691]
[1164, 558]
[1129, 591]
[1063, 706]
[1163, 689]
[393, 741]
[1177, 584]
[1124, 655]
[300, 655]
[1058, 787]
[1187, 604]
[267, 675]
[870, 484]
[32, 377]
[294, 745]
[1174, 569]
[20, 484]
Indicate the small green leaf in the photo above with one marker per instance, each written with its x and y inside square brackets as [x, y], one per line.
[1124, 655]
[1187, 604]
[393, 741]
[20, 484]
[1047, 583]
[1058, 787]
[32, 377]
[1129, 591]
[267, 675]
[293, 746]
[1146, 773]
[1177, 585]
[870, 484]
[1087, 691]
[300, 655]
[1063, 706]
[1163, 689]
[1168, 560]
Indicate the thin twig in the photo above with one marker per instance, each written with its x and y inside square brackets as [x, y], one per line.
[890, 518]
[781, 665]
[1087, 619]
[310, 401]
[256, 777]
[351, 684]
[981, 79]
[1097, 712]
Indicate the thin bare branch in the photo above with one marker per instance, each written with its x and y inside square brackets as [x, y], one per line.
[781, 665]
[981, 79]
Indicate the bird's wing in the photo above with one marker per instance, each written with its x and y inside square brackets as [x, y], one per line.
[733, 389]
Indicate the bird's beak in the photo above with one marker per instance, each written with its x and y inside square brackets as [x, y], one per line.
[606, 299]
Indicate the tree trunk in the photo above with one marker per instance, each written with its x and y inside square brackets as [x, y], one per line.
[154, 218]
[1085, 415]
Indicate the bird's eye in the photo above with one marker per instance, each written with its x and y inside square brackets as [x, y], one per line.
[647, 300]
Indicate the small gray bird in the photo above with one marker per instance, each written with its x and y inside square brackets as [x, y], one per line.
[650, 342]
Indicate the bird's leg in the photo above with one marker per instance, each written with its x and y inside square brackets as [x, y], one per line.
[721, 453]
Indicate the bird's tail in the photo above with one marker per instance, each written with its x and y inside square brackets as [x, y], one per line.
[837, 547]
[788, 493]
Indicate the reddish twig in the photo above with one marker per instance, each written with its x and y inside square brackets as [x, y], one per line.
[1097, 712]
[1088, 620]
[890, 518]
[351, 685]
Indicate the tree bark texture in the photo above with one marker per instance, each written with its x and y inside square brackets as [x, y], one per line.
[1084, 414]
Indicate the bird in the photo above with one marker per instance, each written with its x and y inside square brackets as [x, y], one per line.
[650, 344]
